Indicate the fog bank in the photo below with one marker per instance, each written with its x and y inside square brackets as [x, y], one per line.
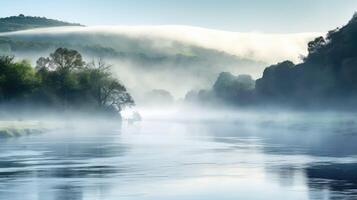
[172, 58]
[263, 47]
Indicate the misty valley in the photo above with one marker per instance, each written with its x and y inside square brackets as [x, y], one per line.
[167, 112]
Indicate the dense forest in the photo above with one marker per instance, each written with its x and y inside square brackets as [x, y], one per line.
[62, 82]
[22, 22]
[326, 77]
[328, 74]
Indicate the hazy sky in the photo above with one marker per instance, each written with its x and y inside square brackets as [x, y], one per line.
[279, 16]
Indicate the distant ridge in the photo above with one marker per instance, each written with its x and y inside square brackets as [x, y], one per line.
[22, 22]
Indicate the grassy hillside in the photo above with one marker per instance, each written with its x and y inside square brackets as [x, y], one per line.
[21, 22]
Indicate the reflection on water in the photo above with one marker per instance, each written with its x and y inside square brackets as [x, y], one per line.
[309, 157]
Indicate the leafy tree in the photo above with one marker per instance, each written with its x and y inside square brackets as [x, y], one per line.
[315, 45]
[107, 91]
[72, 79]
[17, 79]
[326, 77]
[63, 81]
[236, 89]
[63, 60]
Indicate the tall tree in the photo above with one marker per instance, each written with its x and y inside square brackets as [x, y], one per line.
[108, 91]
[62, 59]
[66, 69]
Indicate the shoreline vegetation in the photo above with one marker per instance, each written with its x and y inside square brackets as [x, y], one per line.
[325, 79]
[60, 83]
[12, 129]
[64, 84]
[59, 92]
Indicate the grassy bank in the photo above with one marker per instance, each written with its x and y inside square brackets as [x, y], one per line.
[9, 129]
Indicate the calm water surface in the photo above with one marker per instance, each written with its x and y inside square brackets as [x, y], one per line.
[307, 157]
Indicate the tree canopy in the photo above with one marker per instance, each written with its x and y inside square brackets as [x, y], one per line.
[22, 22]
[326, 77]
[63, 81]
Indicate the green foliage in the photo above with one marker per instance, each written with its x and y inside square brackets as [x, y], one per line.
[18, 132]
[238, 89]
[63, 81]
[17, 79]
[229, 89]
[62, 60]
[277, 80]
[21, 22]
[327, 75]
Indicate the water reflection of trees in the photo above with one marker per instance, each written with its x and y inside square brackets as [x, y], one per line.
[68, 192]
[67, 166]
[330, 139]
[334, 141]
[339, 179]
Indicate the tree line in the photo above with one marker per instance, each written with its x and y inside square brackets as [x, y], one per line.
[327, 77]
[62, 81]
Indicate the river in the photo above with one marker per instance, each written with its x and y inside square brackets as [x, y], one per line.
[302, 157]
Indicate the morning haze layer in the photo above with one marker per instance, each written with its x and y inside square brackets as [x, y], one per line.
[163, 53]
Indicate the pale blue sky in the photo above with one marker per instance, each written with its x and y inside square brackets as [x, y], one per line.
[279, 16]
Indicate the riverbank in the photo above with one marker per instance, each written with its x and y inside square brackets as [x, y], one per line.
[10, 129]
[19, 128]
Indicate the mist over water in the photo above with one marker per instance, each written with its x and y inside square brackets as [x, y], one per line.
[201, 127]
[256, 156]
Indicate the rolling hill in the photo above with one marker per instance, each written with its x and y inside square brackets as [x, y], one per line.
[173, 58]
[22, 22]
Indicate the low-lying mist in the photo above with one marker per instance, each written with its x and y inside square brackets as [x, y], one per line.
[176, 59]
[263, 47]
[186, 113]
